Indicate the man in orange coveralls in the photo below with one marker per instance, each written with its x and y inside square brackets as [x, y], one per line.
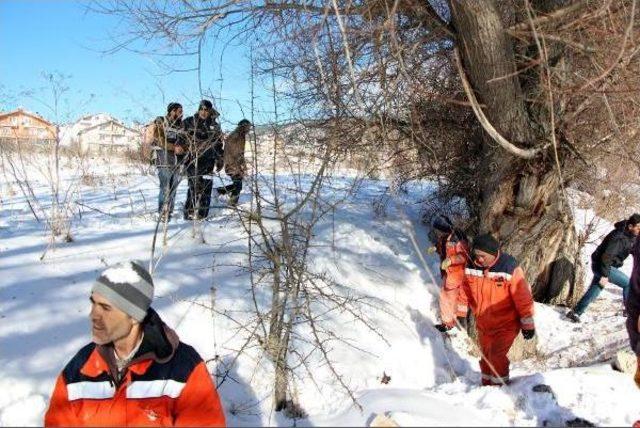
[500, 298]
[135, 372]
[453, 249]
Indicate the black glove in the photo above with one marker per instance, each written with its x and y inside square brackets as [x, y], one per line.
[442, 328]
[528, 334]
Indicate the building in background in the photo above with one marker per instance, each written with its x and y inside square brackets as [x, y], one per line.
[107, 138]
[21, 126]
[100, 134]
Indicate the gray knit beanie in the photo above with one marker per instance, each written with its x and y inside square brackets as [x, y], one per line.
[128, 286]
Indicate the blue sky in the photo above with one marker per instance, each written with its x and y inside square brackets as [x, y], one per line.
[62, 36]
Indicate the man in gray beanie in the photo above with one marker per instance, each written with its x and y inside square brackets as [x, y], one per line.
[136, 372]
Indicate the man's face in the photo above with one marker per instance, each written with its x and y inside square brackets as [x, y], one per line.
[204, 113]
[108, 323]
[177, 113]
[635, 229]
[483, 259]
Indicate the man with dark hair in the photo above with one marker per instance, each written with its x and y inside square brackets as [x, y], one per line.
[605, 261]
[166, 138]
[136, 372]
[234, 163]
[495, 288]
[205, 155]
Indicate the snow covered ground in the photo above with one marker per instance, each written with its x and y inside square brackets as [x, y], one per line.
[374, 249]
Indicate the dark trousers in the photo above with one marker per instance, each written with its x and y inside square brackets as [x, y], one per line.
[198, 197]
[234, 188]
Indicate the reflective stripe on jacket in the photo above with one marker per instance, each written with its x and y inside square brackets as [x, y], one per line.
[499, 295]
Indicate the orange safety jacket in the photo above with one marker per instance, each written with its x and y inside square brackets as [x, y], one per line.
[166, 384]
[498, 295]
[457, 250]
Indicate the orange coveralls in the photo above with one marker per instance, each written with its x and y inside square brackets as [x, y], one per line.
[501, 301]
[456, 250]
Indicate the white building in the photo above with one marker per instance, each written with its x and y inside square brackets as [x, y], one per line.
[100, 134]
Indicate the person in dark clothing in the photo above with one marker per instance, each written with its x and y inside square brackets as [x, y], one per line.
[166, 138]
[605, 261]
[632, 306]
[205, 156]
[234, 162]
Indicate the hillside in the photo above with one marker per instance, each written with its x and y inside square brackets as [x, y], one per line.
[373, 246]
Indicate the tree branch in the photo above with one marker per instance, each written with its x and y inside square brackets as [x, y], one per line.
[486, 125]
[550, 17]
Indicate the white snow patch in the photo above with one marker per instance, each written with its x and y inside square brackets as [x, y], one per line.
[122, 275]
[369, 252]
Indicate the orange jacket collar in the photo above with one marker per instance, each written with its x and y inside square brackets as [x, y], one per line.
[96, 365]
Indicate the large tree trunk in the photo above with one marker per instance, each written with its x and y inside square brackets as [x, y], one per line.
[520, 200]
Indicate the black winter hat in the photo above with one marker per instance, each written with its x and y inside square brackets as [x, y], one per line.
[634, 219]
[173, 106]
[207, 104]
[487, 243]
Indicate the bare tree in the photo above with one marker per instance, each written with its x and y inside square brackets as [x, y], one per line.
[510, 101]
[58, 211]
[507, 103]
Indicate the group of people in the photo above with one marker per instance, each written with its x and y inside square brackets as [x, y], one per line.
[490, 282]
[478, 275]
[196, 147]
[137, 372]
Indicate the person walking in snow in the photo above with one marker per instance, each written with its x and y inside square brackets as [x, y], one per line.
[166, 138]
[605, 261]
[234, 163]
[633, 308]
[135, 372]
[453, 249]
[205, 155]
[495, 288]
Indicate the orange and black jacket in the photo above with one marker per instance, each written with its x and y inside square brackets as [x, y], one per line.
[498, 295]
[165, 384]
[456, 248]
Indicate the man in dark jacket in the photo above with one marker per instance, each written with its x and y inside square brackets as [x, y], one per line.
[166, 138]
[205, 155]
[633, 308]
[136, 372]
[234, 163]
[605, 261]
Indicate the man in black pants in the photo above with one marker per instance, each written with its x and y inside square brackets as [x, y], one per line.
[234, 163]
[205, 152]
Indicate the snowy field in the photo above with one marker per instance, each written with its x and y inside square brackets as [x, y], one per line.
[372, 245]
